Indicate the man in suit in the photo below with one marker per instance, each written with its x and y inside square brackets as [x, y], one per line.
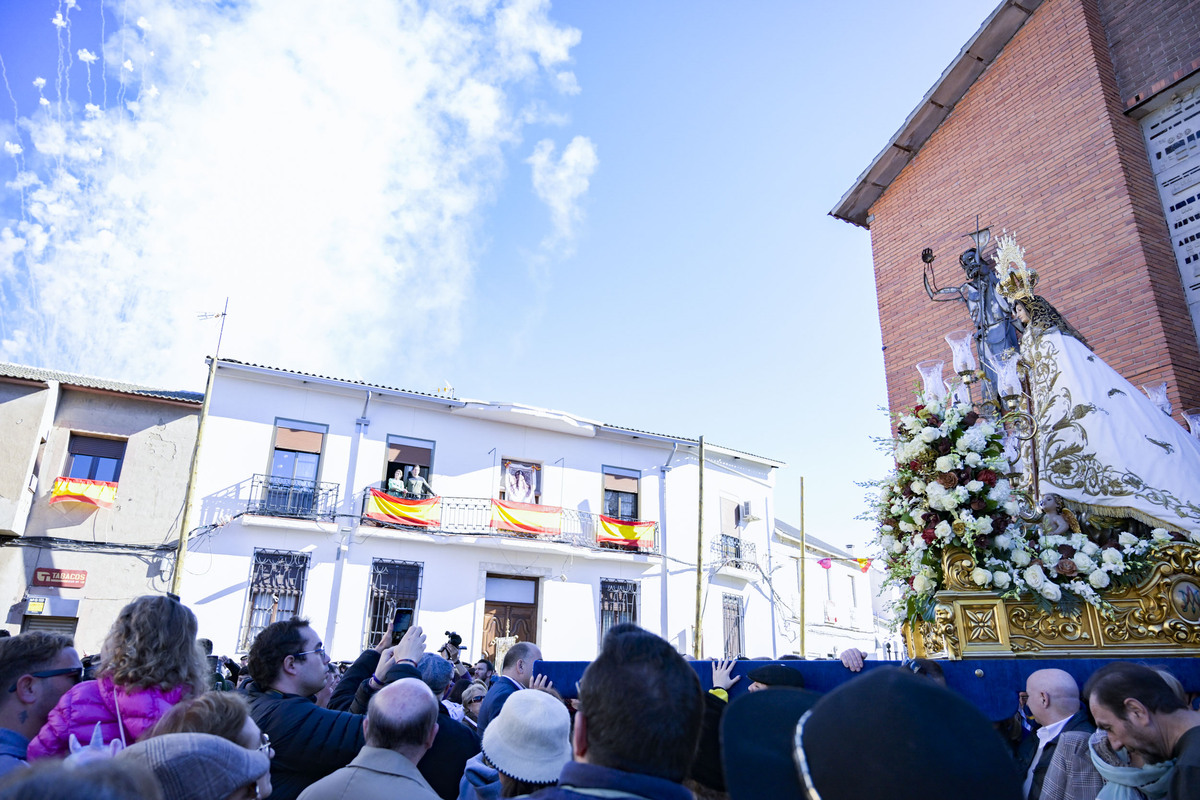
[516, 673]
[399, 729]
[1053, 699]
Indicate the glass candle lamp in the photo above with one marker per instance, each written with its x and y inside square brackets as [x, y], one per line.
[931, 375]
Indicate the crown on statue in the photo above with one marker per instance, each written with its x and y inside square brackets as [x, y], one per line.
[1016, 279]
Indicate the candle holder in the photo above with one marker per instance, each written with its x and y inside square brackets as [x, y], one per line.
[960, 350]
[1008, 377]
[931, 375]
[1157, 392]
[1192, 415]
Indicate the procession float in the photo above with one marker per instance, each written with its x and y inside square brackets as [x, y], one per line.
[1041, 505]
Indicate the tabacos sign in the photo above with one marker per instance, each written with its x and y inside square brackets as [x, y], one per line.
[62, 578]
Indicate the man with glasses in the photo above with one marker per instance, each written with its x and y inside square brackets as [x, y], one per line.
[287, 668]
[36, 669]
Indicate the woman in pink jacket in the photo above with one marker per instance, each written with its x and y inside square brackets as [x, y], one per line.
[148, 663]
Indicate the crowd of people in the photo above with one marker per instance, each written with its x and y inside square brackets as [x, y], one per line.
[163, 719]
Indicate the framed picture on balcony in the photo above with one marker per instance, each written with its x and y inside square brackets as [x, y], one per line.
[520, 482]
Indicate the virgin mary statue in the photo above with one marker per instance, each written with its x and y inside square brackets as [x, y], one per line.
[1100, 443]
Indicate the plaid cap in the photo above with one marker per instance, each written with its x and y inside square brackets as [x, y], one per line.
[197, 766]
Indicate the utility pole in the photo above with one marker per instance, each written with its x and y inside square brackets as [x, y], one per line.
[189, 497]
[696, 644]
[803, 558]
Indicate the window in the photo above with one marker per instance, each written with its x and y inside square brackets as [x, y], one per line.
[621, 492]
[295, 462]
[276, 590]
[735, 624]
[618, 603]
[521, 482]
[95, 459]
[731, 515]
[402, 455]
[395, 585]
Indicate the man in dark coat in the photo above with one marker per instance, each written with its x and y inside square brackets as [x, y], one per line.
[287, 667]
[455, 744]
[516, 674]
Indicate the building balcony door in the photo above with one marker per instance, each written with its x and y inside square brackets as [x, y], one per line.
[509, 612]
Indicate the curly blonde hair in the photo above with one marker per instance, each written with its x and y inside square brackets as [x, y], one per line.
[153, 643]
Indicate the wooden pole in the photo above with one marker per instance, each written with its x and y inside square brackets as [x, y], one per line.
[803, 558]
[696, 638]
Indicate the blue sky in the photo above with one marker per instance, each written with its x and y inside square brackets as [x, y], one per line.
[615, 209]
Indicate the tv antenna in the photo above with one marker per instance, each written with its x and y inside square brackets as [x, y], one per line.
[203, 315]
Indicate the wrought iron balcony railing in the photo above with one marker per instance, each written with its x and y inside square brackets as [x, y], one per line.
[735, 552]
[289, 497]
[473, 516]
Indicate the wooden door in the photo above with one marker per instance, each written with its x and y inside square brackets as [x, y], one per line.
[507, 619]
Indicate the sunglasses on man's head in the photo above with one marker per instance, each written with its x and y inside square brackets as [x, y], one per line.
[76, 672]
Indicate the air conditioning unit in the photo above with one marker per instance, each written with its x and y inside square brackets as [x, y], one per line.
[744, 513]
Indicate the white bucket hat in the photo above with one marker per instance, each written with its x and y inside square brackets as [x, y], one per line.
[530, 739]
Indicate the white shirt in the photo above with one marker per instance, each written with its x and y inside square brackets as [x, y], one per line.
[1045, 734]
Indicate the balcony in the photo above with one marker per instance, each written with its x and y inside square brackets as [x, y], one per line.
[475, 516]
[292, 498]
[735, 557]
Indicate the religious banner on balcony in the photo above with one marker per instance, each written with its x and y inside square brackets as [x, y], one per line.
[425, 513]
[626, 532]
[78, 490]
[526, 518]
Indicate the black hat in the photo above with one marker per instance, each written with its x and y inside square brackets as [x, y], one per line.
[777, 675]
[758, 732]
[889, 734]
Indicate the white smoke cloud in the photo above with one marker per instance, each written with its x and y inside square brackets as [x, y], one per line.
[325, 165]
[560, 183]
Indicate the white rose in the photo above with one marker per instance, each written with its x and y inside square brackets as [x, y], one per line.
[981, 576]
[1050, 558]
[1099, 579]
[907, 527]
[973, 459]
[1051, 592]
[1020, 558]
[1034, 577]
[898, 547]
[1112, 555]
[1091, 548]
[1003, 542]
[1012, 507]
[918, 487]
[922, 585]
[983, 526]
[943, 530]
[1160, 535]
[1084, 563]
[912, 423]
[1078, 540]
[930, 434]
[918, 543]
[1127, 540]
[974, 487]
[1001, 579]
[947, 463]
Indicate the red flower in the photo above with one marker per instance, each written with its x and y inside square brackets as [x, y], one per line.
[988, 476]
[971, 418]
[928, 535]
[914, 465]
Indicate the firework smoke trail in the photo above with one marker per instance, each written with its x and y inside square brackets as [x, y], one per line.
[14, 148]
[103, 63]
[276, 146]
[87, 57]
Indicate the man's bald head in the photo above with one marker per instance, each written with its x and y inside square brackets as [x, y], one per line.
[1053, 695]
[402, 715]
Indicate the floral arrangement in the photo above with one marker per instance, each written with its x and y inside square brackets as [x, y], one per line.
[951, 489]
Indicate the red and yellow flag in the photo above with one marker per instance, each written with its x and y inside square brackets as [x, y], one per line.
[628, 532]
[425, 513]
[863, 563]
[78, 490]
[526, 518]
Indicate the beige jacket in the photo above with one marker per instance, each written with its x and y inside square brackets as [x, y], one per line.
[374, 772]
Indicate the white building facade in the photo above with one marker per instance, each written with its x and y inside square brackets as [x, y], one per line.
[286, 464]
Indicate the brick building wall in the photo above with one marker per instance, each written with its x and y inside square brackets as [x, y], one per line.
[1152, 42]
[1039, 146]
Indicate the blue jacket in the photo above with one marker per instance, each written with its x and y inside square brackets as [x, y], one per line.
[494, 700]
[588, 777]
[13, 749]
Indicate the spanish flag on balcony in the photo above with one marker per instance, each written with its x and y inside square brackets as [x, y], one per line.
[397, 511]
[526, 518]
[78, 490]
[627, 532]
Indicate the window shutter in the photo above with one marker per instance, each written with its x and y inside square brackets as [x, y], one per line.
[91, 446]
[298, 440]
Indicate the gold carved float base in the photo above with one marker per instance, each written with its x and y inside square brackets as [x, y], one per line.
[1158, 616]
